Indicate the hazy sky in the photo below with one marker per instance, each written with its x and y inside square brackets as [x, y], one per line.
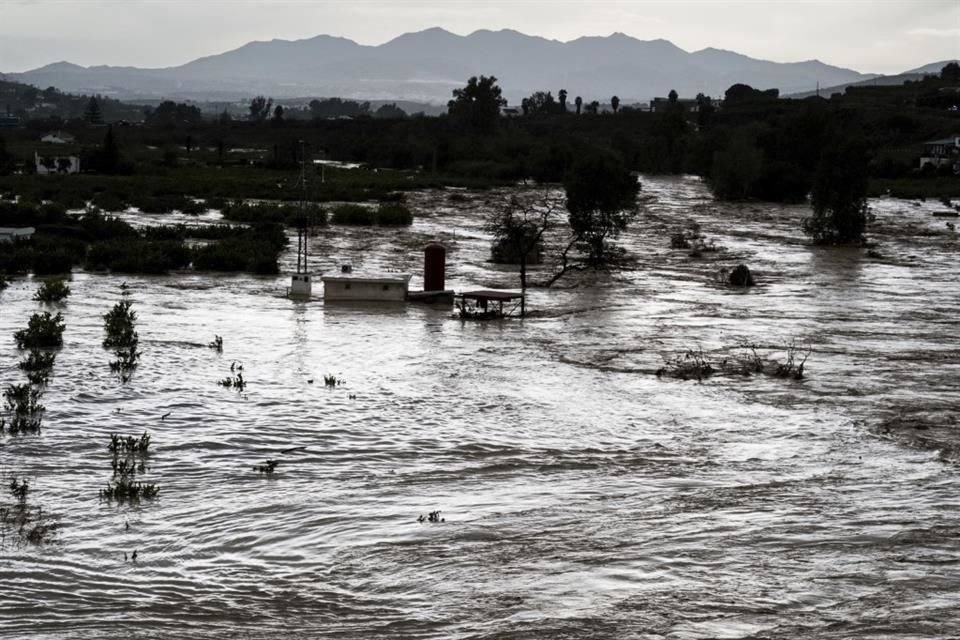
[878, 36]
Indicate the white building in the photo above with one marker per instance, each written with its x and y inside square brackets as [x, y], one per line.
[47, 165]
[350, 287]
[942, 152]
[58, 137]
[9, 234]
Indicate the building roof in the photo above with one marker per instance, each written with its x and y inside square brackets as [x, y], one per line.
[372, 278]
[950, 140]
[491, 294]
[17, 231]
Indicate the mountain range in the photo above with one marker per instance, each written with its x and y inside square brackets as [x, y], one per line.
[428, 65]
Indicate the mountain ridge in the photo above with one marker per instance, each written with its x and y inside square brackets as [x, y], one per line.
[427, 65]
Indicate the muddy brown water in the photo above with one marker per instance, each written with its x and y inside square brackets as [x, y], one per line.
[583, 497]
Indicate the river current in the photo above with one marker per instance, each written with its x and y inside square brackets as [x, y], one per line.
[582, 495]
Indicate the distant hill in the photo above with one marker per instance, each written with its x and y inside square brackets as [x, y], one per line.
[426, 66]
[881, 81]
[933, 67]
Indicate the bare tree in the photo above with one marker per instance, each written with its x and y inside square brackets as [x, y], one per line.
[520, 226]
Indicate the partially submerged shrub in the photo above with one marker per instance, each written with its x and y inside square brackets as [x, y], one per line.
[44, 331]
[119, 326]
[128, 460]
[269, 212]
[52, 290]
[125, 489]
[393, 214]
[254, 250]
[354, 214]
[268, 467]
[129, 445]
[29, 523]
[741, 276]
[122, 338]
[23, 408]
[38, 365]
[690, 365]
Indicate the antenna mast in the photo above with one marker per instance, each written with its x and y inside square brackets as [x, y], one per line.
[302, 219]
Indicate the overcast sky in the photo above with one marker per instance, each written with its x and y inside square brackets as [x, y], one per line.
[871, 36]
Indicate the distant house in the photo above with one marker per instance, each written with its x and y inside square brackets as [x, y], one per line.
[942, 152]
[58, 137]
[511, 112]
[47, 165]
[9, 234]
[659, 105]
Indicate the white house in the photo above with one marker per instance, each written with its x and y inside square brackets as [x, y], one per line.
[9, 234]
[350, 287]
[47, 165]
[58, 137]
[941, 152]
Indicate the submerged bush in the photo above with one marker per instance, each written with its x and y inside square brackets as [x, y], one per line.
[128, 455]
[254, 250]
[394, 214]
[37, 365]
[52, 290]
[354, 214]
[118, 323]
[139, 256]
[44, 331]
[22, 405]
[269, 212]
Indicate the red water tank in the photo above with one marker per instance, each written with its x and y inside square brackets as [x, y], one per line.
[434, 267]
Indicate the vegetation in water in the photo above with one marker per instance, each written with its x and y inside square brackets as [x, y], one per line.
[128, 459]
[268, 467]
[52, 290]
[354, 214]
[119, 325]
[235, 379]
[23, 412]
[122, 337]
[38, 366]
[27, 522]
[44, 331]
[692, 364]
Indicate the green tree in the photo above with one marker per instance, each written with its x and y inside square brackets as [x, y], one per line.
[950, 71]
[601, 202]
[542, 103]
[579, 104]
[108, 158]
[260, 108]
[389, 112]
[615, 103]
[92, 113]
[520, 227]
[477, 105]
[705, 110]
[562, 97]
[6, 159]
[839, 195]
[736, 167]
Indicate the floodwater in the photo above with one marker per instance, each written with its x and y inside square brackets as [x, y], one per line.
[583, 496]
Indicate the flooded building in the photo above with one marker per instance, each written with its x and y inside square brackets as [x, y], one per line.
[350, 287]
